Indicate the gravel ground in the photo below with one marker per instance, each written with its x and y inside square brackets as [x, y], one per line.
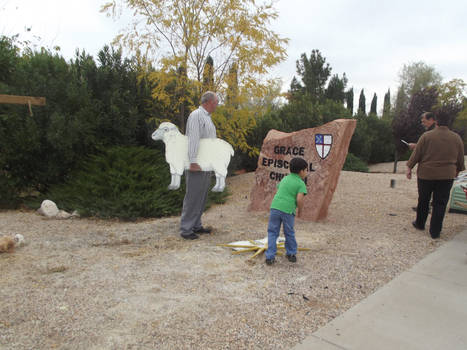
[95, 284]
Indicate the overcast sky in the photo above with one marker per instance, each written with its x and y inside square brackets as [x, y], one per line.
[368, 40]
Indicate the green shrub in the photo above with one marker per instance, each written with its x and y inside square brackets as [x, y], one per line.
[123, 182]
[353, 163]
[9, 196]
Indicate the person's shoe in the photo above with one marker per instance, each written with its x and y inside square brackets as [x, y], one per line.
[414, 224]
[292, 258]
[203, 230]
[270, 261]
[434, 235]
[189, 236]
[429, 209]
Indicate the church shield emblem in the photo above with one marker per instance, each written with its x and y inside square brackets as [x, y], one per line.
[323, 144]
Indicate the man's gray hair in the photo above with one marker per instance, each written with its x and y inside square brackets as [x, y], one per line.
[207, 97]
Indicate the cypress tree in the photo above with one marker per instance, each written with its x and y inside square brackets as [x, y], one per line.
[387, 105]
[349, 100]
[362, 103]
[232, 86]
[208, 75]
[373, 104]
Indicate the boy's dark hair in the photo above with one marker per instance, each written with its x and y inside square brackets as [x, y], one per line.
[298, 164]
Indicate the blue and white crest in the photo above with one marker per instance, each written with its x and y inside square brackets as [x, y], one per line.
[323, 144]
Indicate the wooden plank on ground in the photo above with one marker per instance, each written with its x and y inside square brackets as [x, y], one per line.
[22, 100]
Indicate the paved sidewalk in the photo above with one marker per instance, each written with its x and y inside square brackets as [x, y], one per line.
[425, 307]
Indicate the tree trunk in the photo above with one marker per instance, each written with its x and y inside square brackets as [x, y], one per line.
[182, 117]
[181, 98]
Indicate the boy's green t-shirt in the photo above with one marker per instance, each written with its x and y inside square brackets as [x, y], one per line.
[285, 199]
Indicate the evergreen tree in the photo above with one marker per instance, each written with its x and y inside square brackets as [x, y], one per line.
[349, 100]
[401, 104]
[232, 86]
[373, 105]
[387, 105]
[362, 103]
[8, 62]
[295, 90]
[88, 107]
[314, 72]
[336, 88]
[208, 75]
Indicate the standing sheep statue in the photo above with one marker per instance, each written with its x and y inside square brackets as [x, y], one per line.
[213, 155]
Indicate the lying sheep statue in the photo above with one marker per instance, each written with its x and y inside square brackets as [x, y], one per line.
[213, 155]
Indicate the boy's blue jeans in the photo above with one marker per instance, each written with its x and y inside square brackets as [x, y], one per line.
[276, 217]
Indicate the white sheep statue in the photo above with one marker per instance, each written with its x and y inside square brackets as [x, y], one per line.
[213, 155]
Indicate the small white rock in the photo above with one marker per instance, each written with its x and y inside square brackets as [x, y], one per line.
[19, 240]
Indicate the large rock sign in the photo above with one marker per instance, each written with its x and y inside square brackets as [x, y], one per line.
[324, 148]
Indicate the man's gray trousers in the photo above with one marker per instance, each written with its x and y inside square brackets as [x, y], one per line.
[197, 187]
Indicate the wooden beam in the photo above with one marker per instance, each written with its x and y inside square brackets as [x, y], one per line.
[22, 100]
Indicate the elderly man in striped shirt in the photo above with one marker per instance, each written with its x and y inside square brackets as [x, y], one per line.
[199, 126]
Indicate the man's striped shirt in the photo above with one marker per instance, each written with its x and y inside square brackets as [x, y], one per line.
[199, 126]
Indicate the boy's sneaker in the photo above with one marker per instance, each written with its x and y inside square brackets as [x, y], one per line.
[292, 258]
[270, 261]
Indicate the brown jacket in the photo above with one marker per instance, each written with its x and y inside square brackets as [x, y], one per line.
[439, 154]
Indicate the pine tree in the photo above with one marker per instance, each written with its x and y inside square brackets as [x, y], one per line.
[314, 72]
[336, 88]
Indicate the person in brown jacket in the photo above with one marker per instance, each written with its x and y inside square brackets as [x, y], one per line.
[440, 157]
[427, 119]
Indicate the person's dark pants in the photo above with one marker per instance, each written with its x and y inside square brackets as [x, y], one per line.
[197, 188]
[440, 190]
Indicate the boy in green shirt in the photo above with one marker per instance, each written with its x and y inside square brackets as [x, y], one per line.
[290, 195]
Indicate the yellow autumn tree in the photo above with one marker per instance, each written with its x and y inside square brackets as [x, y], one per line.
[180, 35]
[453, 93]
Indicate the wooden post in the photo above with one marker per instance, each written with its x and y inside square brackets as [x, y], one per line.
[23, 100]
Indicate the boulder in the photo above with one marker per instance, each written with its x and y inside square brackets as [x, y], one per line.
[48, 209]
[324, 148]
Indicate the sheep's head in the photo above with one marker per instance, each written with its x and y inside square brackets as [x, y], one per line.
[162, 131]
